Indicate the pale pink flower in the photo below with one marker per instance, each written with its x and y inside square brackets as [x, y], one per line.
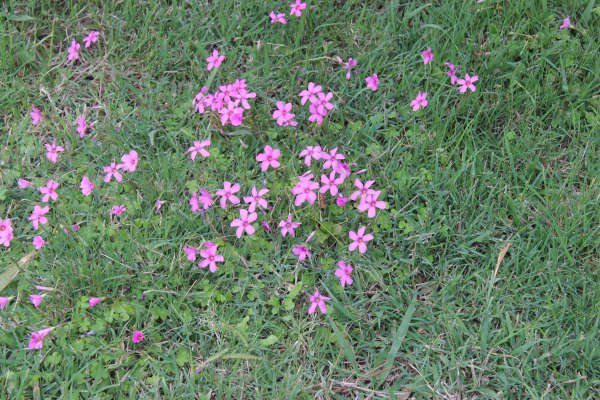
[304, 190]
[210, 257]
[288, 226]
[419, 102]
[265, 225]
[129, 161]
[227, 194]
[363, 189]
[93, 301]
[38, 216]
[322, 104]
[268, 158]
[6, 232]
[36, 115]
[257, 199]
[301, 251]
[244, 223]
[199, 148]
[91, 37]
[81, 126]
[451, 73]
[38, 242]
[331, 158]
[311, 153]
[49, 191]
[137, 336]
[215, 60]
[74, 51]
[310, 93]
[359, 240]
[111, 171]
[203, 199]
[118, 210]
[566, 24]
[330, 183]
[232, 114]
[4, 302]
[341, 200]
[158, 205]
[36, 299]
[372, 82]
[467, 83]
[297, 8]
[279, 17]
[190, 252]
[37, 339]
[284, 115]
[371, 203]
[23, 184]
[86, 186]
[52, 151]
[343, 272]
[75, 227]
[427, 56]
[349, 66]
[317, 300]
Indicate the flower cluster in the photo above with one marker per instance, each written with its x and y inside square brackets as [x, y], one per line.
[230, 102]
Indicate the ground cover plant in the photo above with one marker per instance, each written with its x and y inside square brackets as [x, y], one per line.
[333, 199]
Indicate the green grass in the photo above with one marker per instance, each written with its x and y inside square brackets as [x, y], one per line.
[516, 161]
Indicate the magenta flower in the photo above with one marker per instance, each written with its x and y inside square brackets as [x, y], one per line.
[310, 153]
[37, 339]
[215, 60]
[227, 194]
[451, 73]
[427, 56]
[257, 199]
[129, 161]
[467, 83]
[343, 272]
[330, 183]
[199, 148]
[232, 114]
[370, 203]
[74, 51]
[279, 17]
[91, 37]
[283, 114]
[23, 184]
[36, 299]
[297, 8]
[38, 216]
[94, 301]
[318, 300]
[49, 191]
[332, 158]
[301, 251]
[341, 200]
[321, 105]
[86, 186]
[372, 82]
[566, 24]
[75, 227]
[36, 115]
[349, 65]
[112, 171]
[38, 242]
[288, 226]
[52, 151]
[363, 189]
[359, 240]
[190, 252]
[419, 102]
[310, 93]
[4, 302]
[268, 158]
[210, 257]
[244, 223]
[81, 126]
[204, 199]
[137, 336]
[6, 232]
[118, 210]
[304, 190]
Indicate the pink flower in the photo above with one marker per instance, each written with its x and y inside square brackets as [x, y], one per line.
[451, 73]
[232, 114]
[349, 65]
[75, 227]
[129, 161]
[372, 82]
[158, 205]
[190, 252]
[330, 183]
[310, 153]
[4, 302]
[86, 186]
[52, 151]
[304, 190]
[93, 301]
[38, 217]
[36, 299]
[419, 102]
[359, 239]
[343, 272]
[370, 203]
[49, 191]
[467, 83]
[321, 105]
[74, 51]
[566, 24]
[268, 158]
[363, 189]
[37, 339]
[227, 194]
[204, 199]
[257, 199]
[341, 200]
[244, 223]
[81, 126]
[301, 251]
[283, 114]
[36, 115]
[297, 7]
[279, 17]
[199, 148]
[6, 232]
[22, 183]
[111, 171]
[318, 300]
[91, 37]
[38, 242]
[332, 158]
[288, 226]
[310, 93]
[210, 257]
[427, 56]
[215, 60]
[137, 336]
[118, 210]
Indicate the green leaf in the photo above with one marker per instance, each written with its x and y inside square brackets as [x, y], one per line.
[269, 341]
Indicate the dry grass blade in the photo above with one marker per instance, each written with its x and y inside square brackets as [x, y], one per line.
[501, 256]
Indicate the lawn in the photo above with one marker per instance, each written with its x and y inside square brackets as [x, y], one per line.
[481, 281]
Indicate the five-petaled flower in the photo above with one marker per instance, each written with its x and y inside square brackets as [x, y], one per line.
[129, 161]
[215, 60]
[359, 240]
[419, 102]
[49, 191]
[38, 216]
[297, 8]
[257, 199]
[227, 194]
[288, 226]
[91, 37]
[317, 300]
[427, 56]
[86, 186]
[112, 171]
[371, 203]
[52, 151]
[199, 147]
[244, 223]
[38, 242]
[467, 83]
[277, 17]
[343, 272]
[268, 158]
[73, 51]
[210, 257]
[301, 251]
[372, 82]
